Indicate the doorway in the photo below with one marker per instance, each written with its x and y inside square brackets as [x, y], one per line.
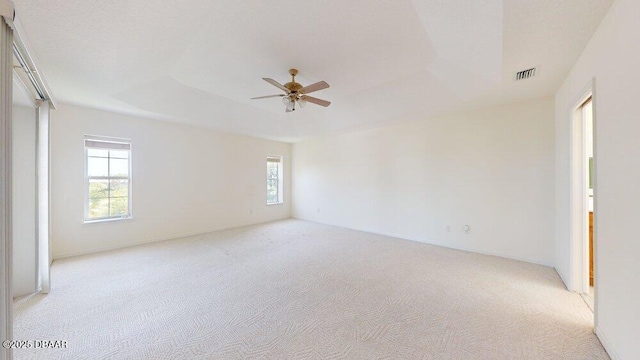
[586, 112]
[583, 197]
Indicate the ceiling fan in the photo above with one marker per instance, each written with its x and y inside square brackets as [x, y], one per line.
[296, 93]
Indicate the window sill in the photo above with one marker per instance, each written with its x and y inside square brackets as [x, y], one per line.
[275, 203]
[100, 221]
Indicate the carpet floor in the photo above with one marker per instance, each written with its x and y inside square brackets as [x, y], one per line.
[298, 290]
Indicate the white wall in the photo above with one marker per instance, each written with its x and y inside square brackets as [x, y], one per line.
[24, 200]
[186, 180]
[490, 169]
[611, 57]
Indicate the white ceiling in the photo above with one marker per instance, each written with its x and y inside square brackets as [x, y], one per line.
[199, 61]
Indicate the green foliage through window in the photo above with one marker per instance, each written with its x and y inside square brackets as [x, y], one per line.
[109, 183]
[274, 169]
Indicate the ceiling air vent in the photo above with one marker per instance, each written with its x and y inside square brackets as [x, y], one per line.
[525, 74]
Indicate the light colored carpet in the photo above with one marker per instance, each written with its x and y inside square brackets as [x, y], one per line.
[297, 290]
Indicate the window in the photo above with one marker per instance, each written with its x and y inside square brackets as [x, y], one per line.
[274, 180]
[107, 178]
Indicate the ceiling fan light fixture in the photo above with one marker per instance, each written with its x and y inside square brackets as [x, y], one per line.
[296, 93]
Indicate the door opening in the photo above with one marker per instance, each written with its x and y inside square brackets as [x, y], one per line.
[583, 210]
[586, 112]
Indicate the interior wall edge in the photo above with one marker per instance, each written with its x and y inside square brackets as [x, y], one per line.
[605, 343]
[6, 237]
[608, 59]
[562, 275]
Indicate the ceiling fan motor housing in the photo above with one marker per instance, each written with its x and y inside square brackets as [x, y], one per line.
[293, 86]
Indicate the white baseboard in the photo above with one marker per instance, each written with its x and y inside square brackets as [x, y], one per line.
[436, 243]
[606, 344]
[172, 237]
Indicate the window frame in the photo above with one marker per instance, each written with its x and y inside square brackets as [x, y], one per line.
[87, 178]
[280, 179]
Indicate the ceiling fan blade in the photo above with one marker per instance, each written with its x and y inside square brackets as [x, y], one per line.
[276, 84]
[268, 96]
[316, 101]
[314, 87]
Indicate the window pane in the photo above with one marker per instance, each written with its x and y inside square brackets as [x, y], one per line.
[119, 206]
[97, 166]
[108, 173]
[97, 152]
[119, 167]
[98, 208]
[272, 170]
[273, 179]
[98, 189]
[119, 188]
[272, 197]
[272, 190]
[119, 154]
